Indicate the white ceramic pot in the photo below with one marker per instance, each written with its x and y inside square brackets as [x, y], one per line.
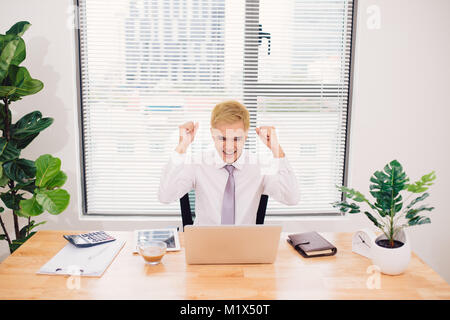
[392, 261]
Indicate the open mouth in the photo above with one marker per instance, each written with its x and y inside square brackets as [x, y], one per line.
[229, 154]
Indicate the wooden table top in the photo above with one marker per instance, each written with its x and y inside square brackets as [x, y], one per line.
[343, 276]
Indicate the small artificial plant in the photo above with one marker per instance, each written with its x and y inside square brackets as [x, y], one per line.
[391, 212]
[42, 179]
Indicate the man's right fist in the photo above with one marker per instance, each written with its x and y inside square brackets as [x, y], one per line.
[187, 133]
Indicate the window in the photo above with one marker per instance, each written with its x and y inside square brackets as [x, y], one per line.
[147, 66]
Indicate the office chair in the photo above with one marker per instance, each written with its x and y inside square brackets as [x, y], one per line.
[186, 213]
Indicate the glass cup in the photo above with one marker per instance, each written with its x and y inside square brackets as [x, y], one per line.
[152, 251]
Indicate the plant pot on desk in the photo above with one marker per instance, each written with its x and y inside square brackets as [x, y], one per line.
[392, 260]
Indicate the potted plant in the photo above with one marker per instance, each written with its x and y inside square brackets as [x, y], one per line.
[28, 188]
[395, 208]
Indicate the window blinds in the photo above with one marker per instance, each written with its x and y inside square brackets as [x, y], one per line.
[147, 66]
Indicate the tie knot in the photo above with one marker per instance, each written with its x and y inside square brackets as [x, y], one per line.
[229, 168]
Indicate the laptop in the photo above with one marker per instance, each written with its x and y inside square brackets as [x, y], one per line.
[230, 244]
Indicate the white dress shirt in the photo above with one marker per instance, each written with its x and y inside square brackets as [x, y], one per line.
[207, 175]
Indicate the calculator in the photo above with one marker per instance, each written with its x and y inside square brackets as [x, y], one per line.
[89, 239]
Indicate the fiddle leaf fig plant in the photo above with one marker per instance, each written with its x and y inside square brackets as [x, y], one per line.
[28, 188]
[391, 211]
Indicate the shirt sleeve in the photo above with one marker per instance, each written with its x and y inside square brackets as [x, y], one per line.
[177, 179]
[281, 183]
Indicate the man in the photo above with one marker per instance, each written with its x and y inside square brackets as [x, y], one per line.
[227, 186]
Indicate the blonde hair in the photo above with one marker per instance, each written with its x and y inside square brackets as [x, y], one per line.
[229, 112]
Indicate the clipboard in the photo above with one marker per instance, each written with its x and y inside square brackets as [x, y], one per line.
[90, 262]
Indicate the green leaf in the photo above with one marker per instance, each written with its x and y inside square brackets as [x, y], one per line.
[29, 126]
[27, 186]
[345, 207]
[7, 150]
[396, 166]
[19, 79]
[31, 207]
[19, 54]
[20, 169]
[358, 197]
[47, 167]
[28, 228]
[19, 28]
[398, 207]
[380, 176]
[422, 184]
[2, 236]
[23, 143]
[17, 48]
[11, 201]
[419, 220]
[420, 198]
[352, 194]
[373, 219]
[6, 91]
[57, 181]
[35, 225]
[29, 87]
[3, 178]
[17, 76]
[53, 201]
[28, 120]
[4, 39]
[413, 212]
[6, 57]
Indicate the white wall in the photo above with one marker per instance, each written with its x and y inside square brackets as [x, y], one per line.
[401, 107]
[400, 110]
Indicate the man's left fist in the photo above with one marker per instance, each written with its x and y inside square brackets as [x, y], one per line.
[269, 137]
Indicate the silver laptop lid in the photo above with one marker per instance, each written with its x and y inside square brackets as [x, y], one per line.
[231, 244]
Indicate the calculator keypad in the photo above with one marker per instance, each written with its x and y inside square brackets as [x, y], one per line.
[89, 239]
[96, 237]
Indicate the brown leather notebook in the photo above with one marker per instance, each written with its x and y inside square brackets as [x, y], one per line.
[311, 244]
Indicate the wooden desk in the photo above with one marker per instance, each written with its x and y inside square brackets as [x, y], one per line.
[343, 276]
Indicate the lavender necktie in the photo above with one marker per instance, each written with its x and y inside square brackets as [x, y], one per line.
[228, 198]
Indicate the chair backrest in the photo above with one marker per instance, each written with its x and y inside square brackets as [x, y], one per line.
[186, 213]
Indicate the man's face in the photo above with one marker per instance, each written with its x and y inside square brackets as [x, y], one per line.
[229, 140]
